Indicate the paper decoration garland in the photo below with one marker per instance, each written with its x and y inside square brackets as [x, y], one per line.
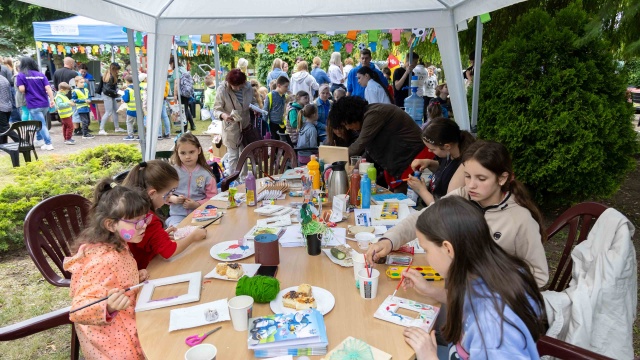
[227, 38]
[284, 46]
[373, 46]
[395, 35]
[295, 44]
[314, 41]
[205, 38]
[385, 44]
[247, 47]
[361, 46]
[373, 35]
[419, 32]
[272, 48]
[260, 48]
[407, 35]
[349, 47]
[304, 42]
[138, 40]
[184, 38]
[337, 46]
[325, 45]
[235, 45]
[352, 34]
[251, 36]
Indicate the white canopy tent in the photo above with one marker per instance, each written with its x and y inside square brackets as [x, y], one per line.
[163, 18]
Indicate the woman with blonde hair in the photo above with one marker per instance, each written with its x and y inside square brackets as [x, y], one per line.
[336, 74]
[319, 74]
[301, 80]
[109, 89]
[243, 65]
[276, 71]
[348, 65]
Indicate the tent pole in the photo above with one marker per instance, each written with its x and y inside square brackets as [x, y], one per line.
[39, 59]
[475, 100]
[136, 91]
[216, 57]
[176, 89]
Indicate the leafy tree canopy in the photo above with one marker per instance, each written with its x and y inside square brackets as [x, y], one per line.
[18, 16]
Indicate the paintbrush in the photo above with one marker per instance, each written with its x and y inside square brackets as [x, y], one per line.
[106, 297]
[398, 181]
[401, 280]
[269, 176]
[212, 221]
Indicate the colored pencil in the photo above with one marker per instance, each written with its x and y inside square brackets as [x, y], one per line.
[106, 297]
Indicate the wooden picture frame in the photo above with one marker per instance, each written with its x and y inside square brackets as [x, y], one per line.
[193, 294]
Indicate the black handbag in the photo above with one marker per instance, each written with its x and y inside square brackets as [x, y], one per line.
[249, 134]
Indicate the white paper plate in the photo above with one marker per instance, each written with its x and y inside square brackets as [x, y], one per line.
[346, 262]
[231, 251]
[249, 270]
[324, 300]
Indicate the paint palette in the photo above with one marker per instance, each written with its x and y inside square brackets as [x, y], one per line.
[408, 313]
[427, 272]
[232, 250]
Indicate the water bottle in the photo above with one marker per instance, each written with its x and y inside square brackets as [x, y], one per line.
[250, 185]
[365, 191]
[373, 175]
[414, 104]
[412, 194]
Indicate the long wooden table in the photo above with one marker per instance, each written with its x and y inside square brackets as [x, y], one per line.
[351, 316]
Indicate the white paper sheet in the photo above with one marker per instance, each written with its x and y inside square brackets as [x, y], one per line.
[194, 316]
[292, 237]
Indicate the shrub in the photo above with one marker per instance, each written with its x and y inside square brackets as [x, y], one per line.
[559, 106]
[37, 181]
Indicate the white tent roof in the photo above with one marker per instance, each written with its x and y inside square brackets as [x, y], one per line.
[162, 19]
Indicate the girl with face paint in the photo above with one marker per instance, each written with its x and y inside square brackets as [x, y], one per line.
[103, 266]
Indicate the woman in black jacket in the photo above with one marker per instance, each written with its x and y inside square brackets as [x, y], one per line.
[109, 88]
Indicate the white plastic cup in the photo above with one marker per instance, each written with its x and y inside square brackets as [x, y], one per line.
[240, 309]
[364, 239]
[368, 285]
[359, 262]
[201, 352]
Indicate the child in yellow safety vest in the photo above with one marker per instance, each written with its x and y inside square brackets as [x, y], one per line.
[65, 112]
[80, 96]
[129, 98]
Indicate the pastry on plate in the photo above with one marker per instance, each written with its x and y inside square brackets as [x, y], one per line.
[221, 269]
[305, 289]
[234, 271]
[305, 302]
[289, 299]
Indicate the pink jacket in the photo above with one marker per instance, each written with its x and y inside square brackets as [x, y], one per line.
[96, 269]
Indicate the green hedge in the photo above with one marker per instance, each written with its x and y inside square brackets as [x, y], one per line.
[558, 104]
[76, 174]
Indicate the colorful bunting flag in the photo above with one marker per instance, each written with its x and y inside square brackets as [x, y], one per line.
[247, 47]
[373, 46]
[304, 42]
[349, 47]
[314, 41]
[325, 44]
[260, 47]
[284, 46]
[337, 46]
[373, 35]
[272, 48]
[352, 34]
[235, 45]
[385, 44]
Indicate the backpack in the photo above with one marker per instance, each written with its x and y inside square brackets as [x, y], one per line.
[186, 84]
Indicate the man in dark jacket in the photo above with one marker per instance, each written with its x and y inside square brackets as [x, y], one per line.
[388, 134]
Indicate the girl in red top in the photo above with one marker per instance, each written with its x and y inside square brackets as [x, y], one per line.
[159, 179]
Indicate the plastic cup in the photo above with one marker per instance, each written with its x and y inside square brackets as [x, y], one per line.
[201, 352]
[368, 285]
[359, 262]
[364, 239]
[240, 309]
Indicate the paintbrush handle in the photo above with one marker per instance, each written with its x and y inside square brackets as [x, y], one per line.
[105, 298]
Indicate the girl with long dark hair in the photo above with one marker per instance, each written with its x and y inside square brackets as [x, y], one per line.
[494, 307]
[374, 92]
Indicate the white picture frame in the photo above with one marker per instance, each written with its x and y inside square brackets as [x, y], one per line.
[425, 314]
[193, 293]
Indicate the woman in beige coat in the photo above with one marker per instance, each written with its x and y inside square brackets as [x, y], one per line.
[232, 107]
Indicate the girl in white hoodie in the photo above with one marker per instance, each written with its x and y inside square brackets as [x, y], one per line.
[301, 80]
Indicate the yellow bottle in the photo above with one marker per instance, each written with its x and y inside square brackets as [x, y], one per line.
[314, 172]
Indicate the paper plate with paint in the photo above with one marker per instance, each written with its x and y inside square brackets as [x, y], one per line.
[232, 250]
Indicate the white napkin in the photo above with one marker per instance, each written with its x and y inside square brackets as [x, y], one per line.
[194, 316]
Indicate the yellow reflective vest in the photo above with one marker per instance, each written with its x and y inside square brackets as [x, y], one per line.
[82, 94]
[66, 111]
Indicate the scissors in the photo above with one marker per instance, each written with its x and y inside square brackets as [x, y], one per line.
[194, 340]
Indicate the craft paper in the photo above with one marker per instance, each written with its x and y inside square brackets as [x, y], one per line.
[304, 42]
[352, 34]
[407, 35]
[373, 35]
[227, 38]
[373, 46]
[251, 36]
[205, 38]
[349, 47]
[260, 48]
[247, 47]
[194, 316]
[138, 38]
[385, 44]
[395, 35]
[337, 46]
[235, 45]
[314, 41]
[292, 237]
[325, 44]
[484, 18]
[272, 48]
[284, 46]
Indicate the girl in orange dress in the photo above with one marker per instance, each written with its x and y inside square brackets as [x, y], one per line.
[103, 266]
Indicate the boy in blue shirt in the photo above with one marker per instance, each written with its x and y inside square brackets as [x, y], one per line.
[81, 98]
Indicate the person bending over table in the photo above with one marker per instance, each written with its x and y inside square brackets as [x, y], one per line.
[513, 217]
[444, 138]
[387, 133]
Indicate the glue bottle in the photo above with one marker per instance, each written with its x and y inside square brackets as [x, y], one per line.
[250, 185]
[412, 194]
[314, 172]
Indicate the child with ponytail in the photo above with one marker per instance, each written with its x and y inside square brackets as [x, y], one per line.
[159, 180]
[490, 184]
[103, 266]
